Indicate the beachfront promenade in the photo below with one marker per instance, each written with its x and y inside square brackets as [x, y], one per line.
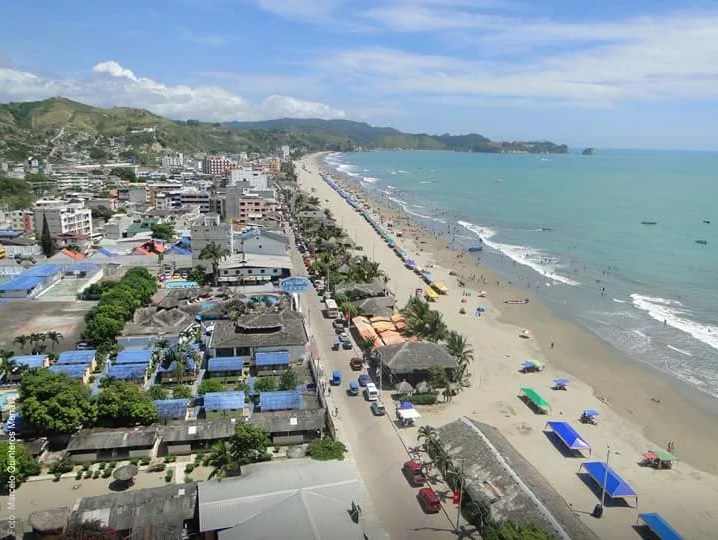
[682, 495]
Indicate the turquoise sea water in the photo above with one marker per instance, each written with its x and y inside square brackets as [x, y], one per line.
[569, 226]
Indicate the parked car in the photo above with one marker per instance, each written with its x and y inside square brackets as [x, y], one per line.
[336, 378]
[356, 364]
[414, 473]
[343, 337]
[354, 388]
[377, 407]
[363, 379]
[429, 500]
[347, 345]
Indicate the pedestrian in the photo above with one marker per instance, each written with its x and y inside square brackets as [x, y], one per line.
[329, 390]
[336, 412]
[552, 344]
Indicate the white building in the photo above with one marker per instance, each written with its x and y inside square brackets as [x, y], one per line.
[173, 160]
[63, 218]
[256, 179]
[285, 152]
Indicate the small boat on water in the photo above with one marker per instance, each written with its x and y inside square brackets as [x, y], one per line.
[707, 221]
[702, 242]
[649, 222]
[474, 249]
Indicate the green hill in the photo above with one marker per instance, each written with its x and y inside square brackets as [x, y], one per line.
[59, 127]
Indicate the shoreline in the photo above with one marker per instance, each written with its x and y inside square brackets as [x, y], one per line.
[570, 354]
[602, 378]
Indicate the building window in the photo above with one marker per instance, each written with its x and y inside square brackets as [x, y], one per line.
[226, 272]
[262, 271]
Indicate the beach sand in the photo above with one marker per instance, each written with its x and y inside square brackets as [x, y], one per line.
[639, 409]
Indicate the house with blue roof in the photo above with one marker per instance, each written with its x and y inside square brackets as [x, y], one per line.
[22, 363]
[229, 368]
[225, 404]
[134, 356]
[172, 409]
[281, 400]
[134, 373]
[83, 358]
[32, 281]
[79, 372]
[169, 374]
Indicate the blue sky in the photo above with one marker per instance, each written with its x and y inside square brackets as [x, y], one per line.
[636, 74]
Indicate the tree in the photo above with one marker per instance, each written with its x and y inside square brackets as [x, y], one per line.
[426, 433]
[54, 403]
[7, 364]
[16, 460]
[438, 377]
[22, 341]
[249, 444]
[181, 392]
[47, 244]
[214, 253]
[508, 530]
[221, 461]
[326, 449]
[458, 347]
[209, 385]
[197, 274]
[288, 380]
[351, 309]
[435, 328]
[123, 404]
[35, 339]
[125, 173]
[102, 212]
[266, 384]
[90, 530]
[55, 337]
[157, 392]
[163, 231]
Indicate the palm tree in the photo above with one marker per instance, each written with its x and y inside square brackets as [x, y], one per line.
[222, 461]
[367, 344]
[22, 341]
[214, 252]
[55, 337]
[36, 338]
[416, 312]
[426, 433]
[458, 347]
[7, 364]
[435, 328]
[179, 369]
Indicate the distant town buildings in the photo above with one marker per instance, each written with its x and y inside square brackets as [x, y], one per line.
[216, 165]
[173, 160]
[64, 219]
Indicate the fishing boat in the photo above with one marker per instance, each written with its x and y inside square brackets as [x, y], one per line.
[707, 221]
[649, 222]
[702, 242]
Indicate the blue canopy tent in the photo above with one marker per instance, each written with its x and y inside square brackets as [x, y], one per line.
[410, 263]
[659, 526]
[427, 277]
[591, 413]
[569, 436]
[616, 487]
[561, 383]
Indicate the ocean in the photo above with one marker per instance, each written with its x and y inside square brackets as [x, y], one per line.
[569, 227]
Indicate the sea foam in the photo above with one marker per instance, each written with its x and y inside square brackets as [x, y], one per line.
[523, 255]
[677, 316]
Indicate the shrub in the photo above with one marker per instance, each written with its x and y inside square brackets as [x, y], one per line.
[168, 475]
[170, 459]
[198, 459]
[106, 473]
[78, 476]
[101, 466]
[429, 398]
[88, 474]
[96, 475]
[189, 467]
[157, 467]
[326, 449]
[135, 461]
[145, 461]
[187, 479]
[57, 477]
[111, 465]
[64, 465]
[85, 466]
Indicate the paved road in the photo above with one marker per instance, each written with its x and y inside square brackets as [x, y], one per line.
[377, 447]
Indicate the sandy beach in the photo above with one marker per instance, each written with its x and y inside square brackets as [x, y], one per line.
[639, 409]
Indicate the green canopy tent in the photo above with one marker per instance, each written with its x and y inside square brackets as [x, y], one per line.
[533, 397]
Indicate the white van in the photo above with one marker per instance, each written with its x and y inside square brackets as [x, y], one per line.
[372, 394]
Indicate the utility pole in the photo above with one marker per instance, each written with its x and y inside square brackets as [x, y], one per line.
[461, 493]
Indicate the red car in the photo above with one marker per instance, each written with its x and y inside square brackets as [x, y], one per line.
[356, 364]
[429, 500]
[414, 473]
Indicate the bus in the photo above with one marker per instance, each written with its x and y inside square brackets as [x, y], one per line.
[332, 309]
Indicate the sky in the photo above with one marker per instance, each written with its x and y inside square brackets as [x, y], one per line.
[615, 73]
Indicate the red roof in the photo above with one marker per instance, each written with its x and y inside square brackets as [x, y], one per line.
[73, 254]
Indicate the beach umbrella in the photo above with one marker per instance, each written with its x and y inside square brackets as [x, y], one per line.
[591, 413]
[422, 387]
[480, 309]
[404, 388]
[563, 381]
[125, 473]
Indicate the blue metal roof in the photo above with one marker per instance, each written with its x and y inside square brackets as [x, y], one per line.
[230, 363]
[76, 357]
[29, 360]
[271, 358]
[179, 250]
[223, 401]
[21, 283]
[171, 408]
[615, 485]
[141, 356]
[74, 371]
[279, 401]
[660, 527]
[107, 252]
[127, 371]
[569, 435]
[10, 234]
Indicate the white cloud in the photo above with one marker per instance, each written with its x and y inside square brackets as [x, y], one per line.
[111, 84]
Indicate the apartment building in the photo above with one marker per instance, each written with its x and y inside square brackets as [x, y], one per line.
[256, 179]
[173, 160]
[64, 219]
[216, 165]
[253, 207]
